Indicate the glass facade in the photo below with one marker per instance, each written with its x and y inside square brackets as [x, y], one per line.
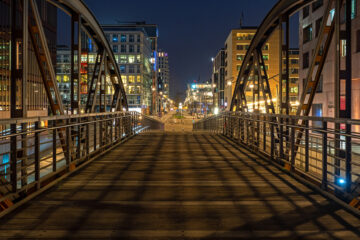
[134, 63]
[36, 101]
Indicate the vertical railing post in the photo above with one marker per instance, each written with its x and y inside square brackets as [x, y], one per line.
[78, 137]
[37, 155]
[54, 162]
[87, 138]
[281, 140]
[101, 140]
[272, 140]
[292, 144]
[13, 158]
[348, 158]
[306, 145]
[68, 140]
[264, 133]
[324, 183]
[24, 162]
[95, 130]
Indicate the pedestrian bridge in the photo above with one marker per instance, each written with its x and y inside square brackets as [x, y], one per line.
[166, 185]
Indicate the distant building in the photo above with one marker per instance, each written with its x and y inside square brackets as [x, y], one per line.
[236, 46]
[163, 78]
[310, 19]
[293, 79]
[199, 98]
[133, 50]
[36, 99]
[218, 80]
[164, 72]
[63, 70]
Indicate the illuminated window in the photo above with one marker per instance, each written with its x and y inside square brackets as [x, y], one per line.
[83, 58]
[294, 90]
[353, 9]
[123, 78]
[343, 48]
[238, 67]
[91, 58]
[138, 58]
[123, 59]
[131, 58]
[240, 57]
[66, 78]
[115, 38]
[138, 78]
[266, 67]
[131, 79]
[122, 68]
[266, 57]
[117, 58]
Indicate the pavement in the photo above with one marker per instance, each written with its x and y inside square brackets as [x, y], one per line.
[177, 125]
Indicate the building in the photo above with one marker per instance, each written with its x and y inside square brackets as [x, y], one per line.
[293, 80]
[163, 78]
[35, 103]
[310, 19]
[218, 81]
[133, 50]
[199, 98]
[236, 46]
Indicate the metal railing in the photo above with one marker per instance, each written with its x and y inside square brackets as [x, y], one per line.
[324, 150]
[37, 151]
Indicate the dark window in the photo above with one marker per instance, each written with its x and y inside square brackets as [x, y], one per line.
[306, 60]
[131, 69]
[115, 48]
[294, 61]
[307, 34]
[358, 40]
[294, 70]
[131, 38]
[123, 38]
[294, 80]
[131, 48]
[316, 5]
[122, 68]
[318, 26]
[306, 11]
[123, 48]
[138, 38]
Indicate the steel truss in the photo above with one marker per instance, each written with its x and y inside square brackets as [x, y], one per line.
[28, 32]
[278, 18]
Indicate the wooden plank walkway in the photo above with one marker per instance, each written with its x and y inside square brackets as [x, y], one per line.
[180, 186]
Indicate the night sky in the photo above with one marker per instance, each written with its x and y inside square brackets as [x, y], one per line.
[191, 31]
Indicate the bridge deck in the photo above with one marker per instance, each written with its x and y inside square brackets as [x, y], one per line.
[177, 186]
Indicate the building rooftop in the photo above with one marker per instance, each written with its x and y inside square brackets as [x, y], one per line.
[150, 29]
